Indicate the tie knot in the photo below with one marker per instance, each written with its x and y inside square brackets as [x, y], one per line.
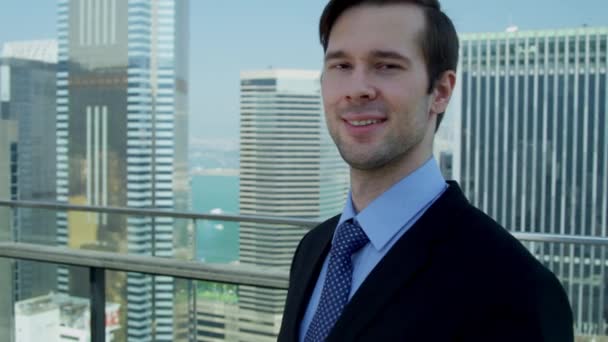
[350, 237]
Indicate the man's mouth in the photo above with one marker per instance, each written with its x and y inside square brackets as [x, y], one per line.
[359, 123]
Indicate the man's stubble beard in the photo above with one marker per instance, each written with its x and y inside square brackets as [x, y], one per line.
[387, 154]
[392, 149]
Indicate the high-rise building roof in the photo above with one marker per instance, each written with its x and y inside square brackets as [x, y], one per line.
[36, 50]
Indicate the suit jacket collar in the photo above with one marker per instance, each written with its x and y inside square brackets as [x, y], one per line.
[386, 215]
[400, 265]
[302, 290]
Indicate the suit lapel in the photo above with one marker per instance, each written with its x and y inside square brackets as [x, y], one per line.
[320, 244]
[402, 263]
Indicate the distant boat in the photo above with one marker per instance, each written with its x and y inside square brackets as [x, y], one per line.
[218, 211]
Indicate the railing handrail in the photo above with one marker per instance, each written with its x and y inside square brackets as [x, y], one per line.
[266, 277]
[239, 274]
[161, 213]
[561, 238]
[310, 223]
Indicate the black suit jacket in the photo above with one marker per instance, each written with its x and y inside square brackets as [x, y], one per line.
[455, 275]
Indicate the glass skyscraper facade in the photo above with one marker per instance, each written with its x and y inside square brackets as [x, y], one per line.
[8, 138]
[27, 165]
[122, 90]
[531, 146]
[27, 78]
[288, 167]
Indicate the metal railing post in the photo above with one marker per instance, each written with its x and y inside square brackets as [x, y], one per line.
[97, 279]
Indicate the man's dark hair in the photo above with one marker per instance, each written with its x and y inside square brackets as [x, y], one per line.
[439, 41]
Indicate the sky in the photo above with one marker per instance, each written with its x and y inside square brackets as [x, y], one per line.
[229, 36]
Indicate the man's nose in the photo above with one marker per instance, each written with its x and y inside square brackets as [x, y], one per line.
[360, 87]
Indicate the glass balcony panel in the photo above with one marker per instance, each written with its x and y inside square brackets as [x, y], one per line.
[226, 312]
[583, 271]
[163, 307]
[217, 241]
[34, 307]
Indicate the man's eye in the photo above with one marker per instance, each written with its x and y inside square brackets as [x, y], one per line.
[340, 66]
[388, 66]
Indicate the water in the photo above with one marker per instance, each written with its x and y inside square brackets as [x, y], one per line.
[216, 241]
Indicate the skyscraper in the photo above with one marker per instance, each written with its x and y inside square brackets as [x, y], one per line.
[288, 167]
[27, 166]
[122, 90]
[27, 76]
[532, 146]
[8, 138]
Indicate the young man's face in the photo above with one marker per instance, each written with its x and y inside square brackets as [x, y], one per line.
[375, 84]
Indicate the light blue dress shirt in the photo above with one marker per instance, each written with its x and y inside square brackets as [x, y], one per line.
[384, 221]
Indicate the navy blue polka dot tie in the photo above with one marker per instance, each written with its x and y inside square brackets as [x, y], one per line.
[336, 289]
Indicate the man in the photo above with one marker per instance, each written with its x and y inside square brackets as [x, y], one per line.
[409, 259]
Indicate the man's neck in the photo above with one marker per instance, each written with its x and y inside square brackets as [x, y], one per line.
[367, 185]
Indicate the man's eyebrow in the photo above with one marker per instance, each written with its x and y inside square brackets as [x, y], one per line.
[388, 54]
[335, 55]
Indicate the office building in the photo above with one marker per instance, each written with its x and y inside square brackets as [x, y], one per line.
[27, 165]
[8, 138]
[217, 320]
[122, 105]
[530, 147]
[60, 318]
[289, 167]
[28, 81]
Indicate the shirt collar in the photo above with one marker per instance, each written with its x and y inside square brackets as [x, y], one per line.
[384, 217]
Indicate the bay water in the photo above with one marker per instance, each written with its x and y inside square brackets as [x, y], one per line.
[216, 241]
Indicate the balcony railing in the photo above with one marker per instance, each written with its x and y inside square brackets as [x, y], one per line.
[98, 262]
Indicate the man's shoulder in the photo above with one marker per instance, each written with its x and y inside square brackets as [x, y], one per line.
[487, 245]
[484, 236]
[475, 240]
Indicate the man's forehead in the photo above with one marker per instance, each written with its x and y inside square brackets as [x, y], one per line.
[373, 28]
[404, 15]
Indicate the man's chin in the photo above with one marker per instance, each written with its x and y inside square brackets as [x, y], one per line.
[364, 163]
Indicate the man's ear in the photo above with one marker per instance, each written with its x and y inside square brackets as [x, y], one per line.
[442, 91]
